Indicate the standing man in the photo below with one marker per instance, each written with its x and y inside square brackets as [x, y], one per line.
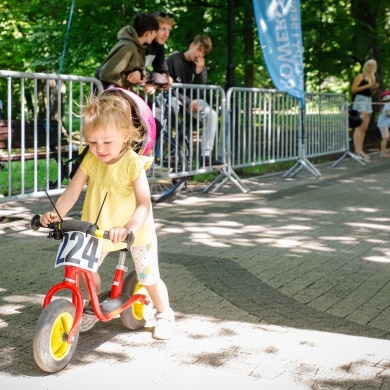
[189, 67]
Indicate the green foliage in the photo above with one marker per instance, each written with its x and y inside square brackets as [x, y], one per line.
[338, 35]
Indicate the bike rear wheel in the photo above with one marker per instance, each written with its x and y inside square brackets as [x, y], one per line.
[135, 316]
[169, 159]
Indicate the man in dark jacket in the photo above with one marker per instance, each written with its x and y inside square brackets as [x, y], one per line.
[125, 64]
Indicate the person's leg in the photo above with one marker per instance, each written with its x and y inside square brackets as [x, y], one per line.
[360, 133]
[89, 320]
[146, 264]
[384, 148]
[385, 137]
[159, 295]
[209, 118]
[145, 259]
[97, 281]
[210, 124]
[96, 278]
[175, 104]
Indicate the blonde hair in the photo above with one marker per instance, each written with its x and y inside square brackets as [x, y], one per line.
[163, 17]
[368, 62]
[167, 20]
[113, 108]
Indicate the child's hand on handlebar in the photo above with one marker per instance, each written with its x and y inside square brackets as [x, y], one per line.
[48, 218]
[119, 234]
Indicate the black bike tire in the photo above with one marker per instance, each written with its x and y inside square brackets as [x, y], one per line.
[163, 196]
[176, 184]
[133, 317]
[46, 356]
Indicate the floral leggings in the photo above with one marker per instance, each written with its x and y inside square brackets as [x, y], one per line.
[145, 259]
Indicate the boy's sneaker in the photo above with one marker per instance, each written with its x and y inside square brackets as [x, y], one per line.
[87, 322]
[217, 164]
[165, 325]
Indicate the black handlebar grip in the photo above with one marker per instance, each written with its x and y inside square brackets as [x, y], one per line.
[35, 222]
[78, 226]
[81, 226]
[130, 239]
[66, 226]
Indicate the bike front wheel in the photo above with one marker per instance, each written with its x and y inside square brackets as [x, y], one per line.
[52, 352]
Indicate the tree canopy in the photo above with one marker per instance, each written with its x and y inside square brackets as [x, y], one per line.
[338, 36]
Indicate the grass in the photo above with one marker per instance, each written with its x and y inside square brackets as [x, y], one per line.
[16, 176]
[16, 184]
[262, 170]
[259, 170]
[16, 167]
[265, 169]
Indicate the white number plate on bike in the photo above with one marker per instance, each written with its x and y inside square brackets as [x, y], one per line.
[79, 250]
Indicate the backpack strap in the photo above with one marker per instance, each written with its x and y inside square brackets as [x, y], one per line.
[77, 161]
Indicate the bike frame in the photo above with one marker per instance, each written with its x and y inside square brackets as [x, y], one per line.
[71, 282]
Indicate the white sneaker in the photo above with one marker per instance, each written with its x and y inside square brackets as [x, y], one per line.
[165, 325]
[87, 322]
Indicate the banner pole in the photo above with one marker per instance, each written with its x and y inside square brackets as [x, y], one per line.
[302, 161]
[280, 34]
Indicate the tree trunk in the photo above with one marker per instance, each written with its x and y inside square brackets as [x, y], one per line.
[366, 14]
[249, 39]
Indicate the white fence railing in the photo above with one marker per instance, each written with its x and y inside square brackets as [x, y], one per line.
[326, 121]
[252, 127]
[39, 129]
[264, 126]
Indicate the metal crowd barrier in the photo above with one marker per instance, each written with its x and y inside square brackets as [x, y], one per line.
[253, 127]
[269, 126]
[377, 108]
[326, 122]
[187, 130]
[32, 101]
[264, 126]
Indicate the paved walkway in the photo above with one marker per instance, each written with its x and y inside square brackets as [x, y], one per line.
[285, 287]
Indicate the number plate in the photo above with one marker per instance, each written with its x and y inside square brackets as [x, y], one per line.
[79, 250]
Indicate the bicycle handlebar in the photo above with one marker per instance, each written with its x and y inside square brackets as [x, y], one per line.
[79, 226]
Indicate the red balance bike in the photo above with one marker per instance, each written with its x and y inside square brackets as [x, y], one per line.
[58, 327]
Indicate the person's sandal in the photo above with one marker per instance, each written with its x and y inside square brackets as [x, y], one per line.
[363, 156]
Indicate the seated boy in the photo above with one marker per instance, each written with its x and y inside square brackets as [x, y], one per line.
[125, 65]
